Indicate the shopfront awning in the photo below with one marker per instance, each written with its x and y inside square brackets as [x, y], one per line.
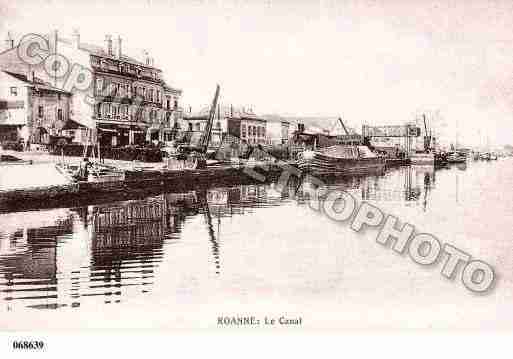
[72, 125]
[107, 130]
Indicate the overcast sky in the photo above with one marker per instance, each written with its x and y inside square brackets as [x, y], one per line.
[369, 61]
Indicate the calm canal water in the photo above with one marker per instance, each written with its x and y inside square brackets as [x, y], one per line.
[182, 259]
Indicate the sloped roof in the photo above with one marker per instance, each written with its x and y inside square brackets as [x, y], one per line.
[171, 89]
[36, 83]
[72, 125]
[23, 77]
[99, 51]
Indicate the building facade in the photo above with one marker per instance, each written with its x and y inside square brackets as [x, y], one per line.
[30, 109]
[127, 102]
[278, 131]
[241, 125]
[249, 128]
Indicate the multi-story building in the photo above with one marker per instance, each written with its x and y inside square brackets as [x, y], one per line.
[249, 128]
[127, 102]
[240, 124]
[31, 109]
[278, 130]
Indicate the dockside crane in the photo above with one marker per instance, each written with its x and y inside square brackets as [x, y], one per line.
[427, 136]
[195, 155]
[343, 126]
[205, 140]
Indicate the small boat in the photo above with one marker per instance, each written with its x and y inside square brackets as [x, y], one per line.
[422, 159]
[103, 173]
[440, 159]
[8, 160]
[340, 159]
[486, 156]
[456, 157]
[97, 173]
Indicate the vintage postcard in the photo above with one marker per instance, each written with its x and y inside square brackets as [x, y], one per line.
[243, 165]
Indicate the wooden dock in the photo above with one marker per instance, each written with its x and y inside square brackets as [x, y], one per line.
[396, 162]
[139, 184]
[136, 183]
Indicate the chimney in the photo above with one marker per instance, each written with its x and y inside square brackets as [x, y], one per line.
[53, 39]
[76, 38]
[119, 50]
[108, 44]
[9, 42]
[146, 58]
[30, 74]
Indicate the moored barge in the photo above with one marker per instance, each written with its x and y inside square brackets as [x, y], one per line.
[340, 160]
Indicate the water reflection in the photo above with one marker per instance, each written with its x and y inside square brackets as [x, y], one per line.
[412, 185]
[56, 258]
[109, 253]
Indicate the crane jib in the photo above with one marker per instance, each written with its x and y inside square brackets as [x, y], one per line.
[210, 123]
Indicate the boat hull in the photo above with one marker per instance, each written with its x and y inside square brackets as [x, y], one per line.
[424, 159]
[326, 165]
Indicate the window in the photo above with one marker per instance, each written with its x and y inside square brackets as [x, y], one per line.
[243, 131]
[176, 104]
[106, 110]
[190, 126]
[113, 89]
[124, 110]
[14, 91]
[59, 114]
[198, 126]
[168, 103]
[99, 86]
[40, 111]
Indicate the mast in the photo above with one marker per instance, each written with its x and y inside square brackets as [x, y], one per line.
[212, 236]
[343, 126]
[457, 133]
[208, 129]
[427, 137]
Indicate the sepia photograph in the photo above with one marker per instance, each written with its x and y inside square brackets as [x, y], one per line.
[276, 166]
